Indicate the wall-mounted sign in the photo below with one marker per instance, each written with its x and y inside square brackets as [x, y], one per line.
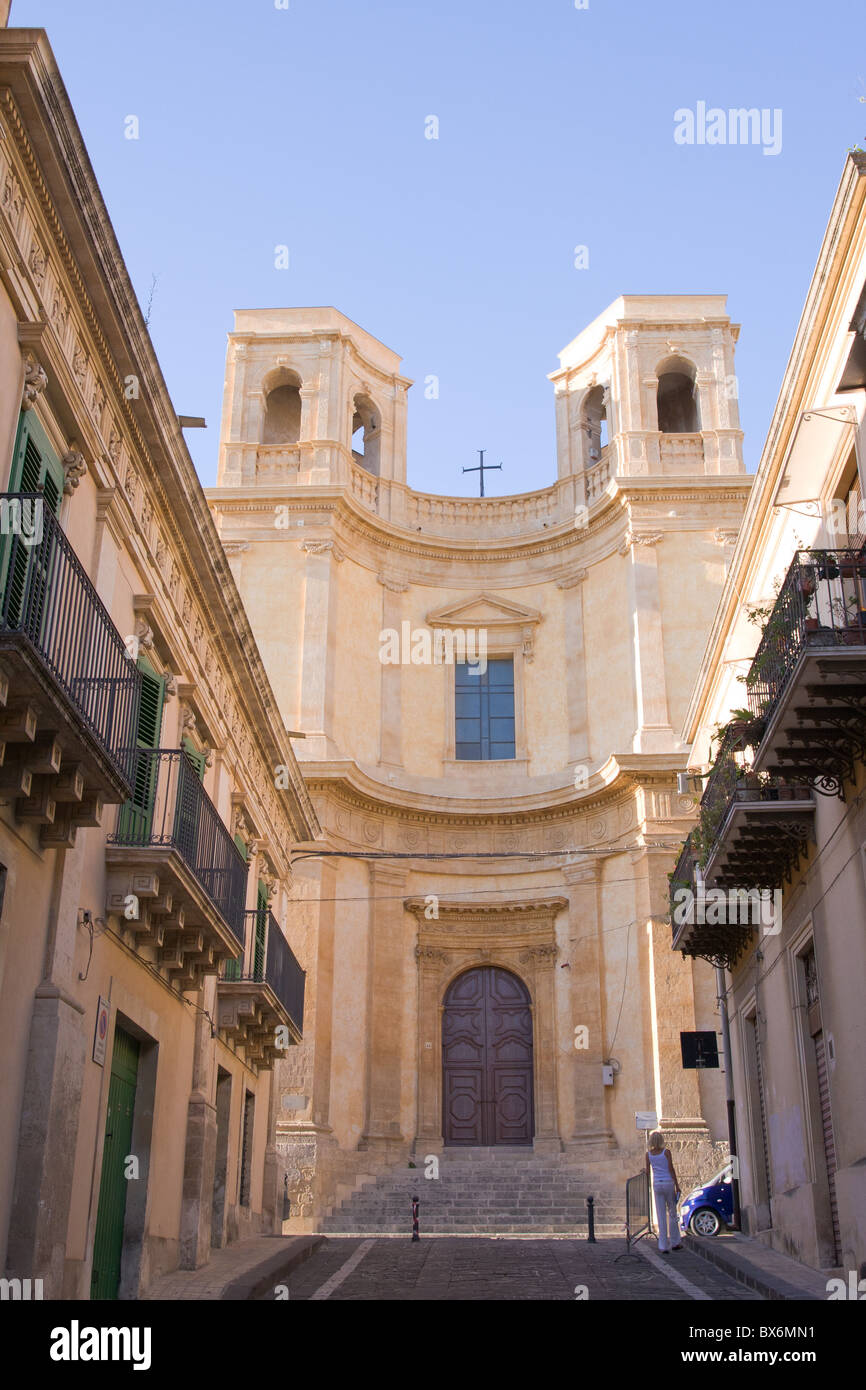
[699, 1050]
[100, 1036]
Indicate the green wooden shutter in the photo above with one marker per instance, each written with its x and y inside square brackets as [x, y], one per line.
[195, 757]
[133, 826]
[261, 930]
[36, 464]
[150, 709]
[35, 468]
[233, 968]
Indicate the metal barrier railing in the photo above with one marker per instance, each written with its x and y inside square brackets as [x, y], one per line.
[637, 1210]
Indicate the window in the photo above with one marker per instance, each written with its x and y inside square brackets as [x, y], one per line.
[484, 710]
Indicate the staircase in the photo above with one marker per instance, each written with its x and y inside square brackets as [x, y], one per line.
[501, 1191]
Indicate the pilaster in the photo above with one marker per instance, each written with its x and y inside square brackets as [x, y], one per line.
[654, 733]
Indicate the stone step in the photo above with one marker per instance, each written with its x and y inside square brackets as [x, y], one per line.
[610, 1229]
[488, 1191]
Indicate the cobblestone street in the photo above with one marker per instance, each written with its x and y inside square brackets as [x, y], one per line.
[497, 1269]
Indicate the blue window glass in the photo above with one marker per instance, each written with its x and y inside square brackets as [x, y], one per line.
[484, 710]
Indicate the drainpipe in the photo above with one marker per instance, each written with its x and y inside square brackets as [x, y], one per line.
[721, 995]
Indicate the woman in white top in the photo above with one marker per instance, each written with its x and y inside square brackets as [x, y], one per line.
[666, 1187]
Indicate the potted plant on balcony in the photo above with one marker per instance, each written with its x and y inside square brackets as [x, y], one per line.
[827, 567]
[706, 831]
[850, 615]
[744, 729]
[746, 781]
[851, 566]
[807, 580]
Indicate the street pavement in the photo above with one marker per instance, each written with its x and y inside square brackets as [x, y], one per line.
[487, 1269]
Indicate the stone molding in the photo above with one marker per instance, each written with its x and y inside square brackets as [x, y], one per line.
[633, 538]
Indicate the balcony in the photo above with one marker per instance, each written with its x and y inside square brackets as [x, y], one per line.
[753, 830]
[598, 476]
[70, 724]
[807, 683]
[270, 994]
[175, 878]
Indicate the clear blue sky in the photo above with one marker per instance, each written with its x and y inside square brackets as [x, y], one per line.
[305, 127]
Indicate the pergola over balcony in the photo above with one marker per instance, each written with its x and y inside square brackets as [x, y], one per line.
[807, 683]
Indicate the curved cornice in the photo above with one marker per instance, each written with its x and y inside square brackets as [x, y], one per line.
[608, 515]
[616, 779]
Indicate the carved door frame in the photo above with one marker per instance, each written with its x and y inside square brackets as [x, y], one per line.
[518, 937]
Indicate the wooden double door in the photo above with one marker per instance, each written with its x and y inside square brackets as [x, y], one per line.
[487, 1059]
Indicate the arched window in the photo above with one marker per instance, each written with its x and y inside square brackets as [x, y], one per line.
[677, 398]
[282, 423]
[595, 424]
[365, 434]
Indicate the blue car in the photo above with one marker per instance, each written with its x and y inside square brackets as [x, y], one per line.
[705, 1210]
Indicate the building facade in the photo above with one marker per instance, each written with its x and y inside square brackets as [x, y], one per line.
[779, 716]
[489, 692]
[150, 796]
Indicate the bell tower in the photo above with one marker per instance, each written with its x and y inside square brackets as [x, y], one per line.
[648, 389]
[307, 391]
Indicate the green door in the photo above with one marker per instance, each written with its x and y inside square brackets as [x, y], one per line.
[108, 1242]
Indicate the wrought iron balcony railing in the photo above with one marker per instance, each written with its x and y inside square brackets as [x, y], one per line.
[682, 878]
[48, 601]
[271, 962]
[822, 603]
[763, 859]
[170, 809]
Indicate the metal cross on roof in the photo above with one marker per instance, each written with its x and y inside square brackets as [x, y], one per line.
[481, 467]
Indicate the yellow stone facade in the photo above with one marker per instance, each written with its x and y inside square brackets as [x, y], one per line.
[599, 587]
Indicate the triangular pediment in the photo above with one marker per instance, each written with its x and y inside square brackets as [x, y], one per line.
[483, 610]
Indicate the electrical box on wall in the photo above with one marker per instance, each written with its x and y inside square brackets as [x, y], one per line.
[606, 1075]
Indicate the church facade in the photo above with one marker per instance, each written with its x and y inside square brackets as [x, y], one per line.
[488, 694]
